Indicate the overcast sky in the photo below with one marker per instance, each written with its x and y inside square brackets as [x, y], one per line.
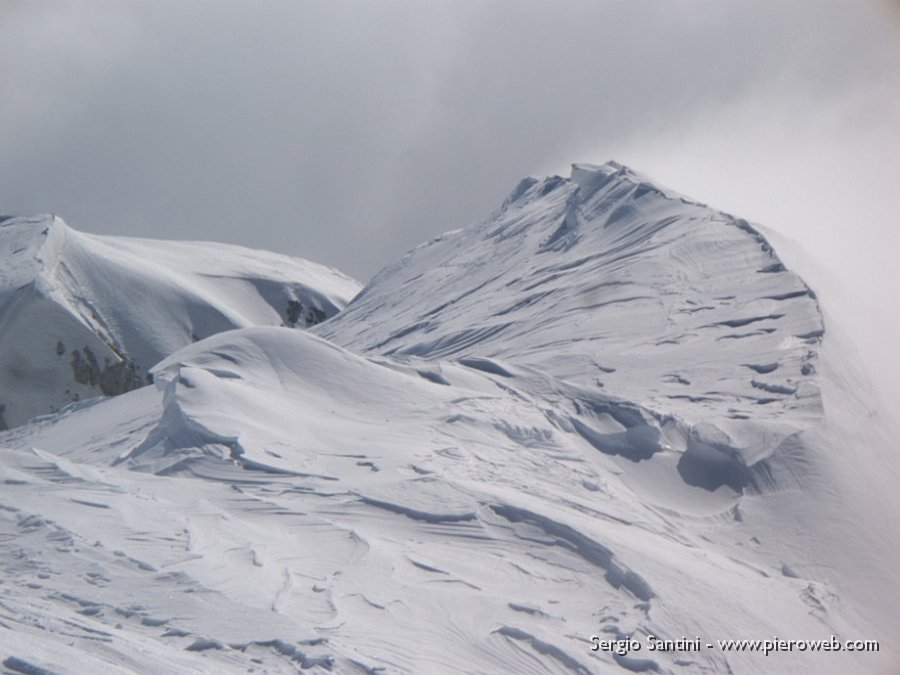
[348, 133]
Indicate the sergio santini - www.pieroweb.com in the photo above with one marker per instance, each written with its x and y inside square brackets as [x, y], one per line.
[622, 647]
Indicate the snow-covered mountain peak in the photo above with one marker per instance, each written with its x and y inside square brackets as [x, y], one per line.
[606, 280]
[593, 415]
[83, 315]
[588, 180]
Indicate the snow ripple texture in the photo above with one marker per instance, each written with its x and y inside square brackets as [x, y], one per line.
[604, 410]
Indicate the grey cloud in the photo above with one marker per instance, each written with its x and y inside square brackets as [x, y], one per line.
[348, 133]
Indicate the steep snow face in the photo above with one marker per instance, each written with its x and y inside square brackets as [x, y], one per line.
[606, 280]
[83, 315]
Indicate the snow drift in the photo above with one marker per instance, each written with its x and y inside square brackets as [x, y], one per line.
[605, 410]
[82, 315]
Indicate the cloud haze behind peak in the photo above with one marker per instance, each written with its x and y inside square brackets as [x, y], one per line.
[348, 133]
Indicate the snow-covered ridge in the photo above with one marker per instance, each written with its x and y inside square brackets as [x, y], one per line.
[604, 410]
[350, 508]
[609, 282]
[580, 276]
[83, 315]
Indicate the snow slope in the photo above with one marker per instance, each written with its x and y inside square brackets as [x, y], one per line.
[82, 315]
[445, 478]
[607, 280]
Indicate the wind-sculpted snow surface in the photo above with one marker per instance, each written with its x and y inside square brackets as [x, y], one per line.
[426, 491]
[606, 280]
[84, 315]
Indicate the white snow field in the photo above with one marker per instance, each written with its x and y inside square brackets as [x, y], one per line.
[82, 315]
[605, 412]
